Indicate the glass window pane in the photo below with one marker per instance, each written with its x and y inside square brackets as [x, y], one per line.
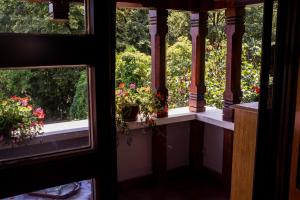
[76, 190]
[25, 16]
[43, 110]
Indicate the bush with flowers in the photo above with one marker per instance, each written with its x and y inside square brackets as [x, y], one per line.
[19, 121]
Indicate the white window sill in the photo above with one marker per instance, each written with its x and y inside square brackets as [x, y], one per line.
[76, 129]
[66, 127]
[65, 133]
[212, 116]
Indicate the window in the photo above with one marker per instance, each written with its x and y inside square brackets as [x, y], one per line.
[60, 95]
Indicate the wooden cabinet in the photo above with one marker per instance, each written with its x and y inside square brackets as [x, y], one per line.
[244, 147]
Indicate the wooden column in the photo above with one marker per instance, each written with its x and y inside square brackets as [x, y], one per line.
[197, 88]
[59, 10]
[158, 31]
[234, 31]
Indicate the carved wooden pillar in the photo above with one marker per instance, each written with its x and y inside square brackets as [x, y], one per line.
[59, 10]
[234, 31]
[197, 88]
[158, 31]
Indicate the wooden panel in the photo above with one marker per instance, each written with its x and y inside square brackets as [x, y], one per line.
[227, 159]
[19, 50]
[244, 145]
[294, 192]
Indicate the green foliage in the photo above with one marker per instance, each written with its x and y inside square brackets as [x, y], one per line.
[251, 57]
[79, 106]
[14, 82]
[23, 17]
[179, 61]
[133, 66]
[215, 74]
[216, 27]
[54, 89]
[178, 25]
[253, 25]
[132, 30]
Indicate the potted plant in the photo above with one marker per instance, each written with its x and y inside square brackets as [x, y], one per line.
[134, 99]
[19, 121]
[127, 102]
[150, 105]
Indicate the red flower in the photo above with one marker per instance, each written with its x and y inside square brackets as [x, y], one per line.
[121, 85]
[256, 89]
[15, 98]
[39, 113]
[24, 101]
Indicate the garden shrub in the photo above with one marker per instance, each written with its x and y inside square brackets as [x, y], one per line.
[133, 66]
[79, 107]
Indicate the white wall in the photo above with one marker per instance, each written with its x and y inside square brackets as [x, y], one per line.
[178, 145]
[135, 160]
[213, 148]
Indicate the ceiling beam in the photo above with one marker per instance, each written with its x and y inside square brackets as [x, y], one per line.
[188, 5]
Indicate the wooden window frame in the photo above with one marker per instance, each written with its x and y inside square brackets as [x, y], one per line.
[95, 49]
[275, 133]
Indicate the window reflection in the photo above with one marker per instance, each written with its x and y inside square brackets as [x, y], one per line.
[76, 190]
[24, 16]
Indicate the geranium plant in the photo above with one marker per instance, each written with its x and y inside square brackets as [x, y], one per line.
[149, 104]
[19, 121]
[127, 102]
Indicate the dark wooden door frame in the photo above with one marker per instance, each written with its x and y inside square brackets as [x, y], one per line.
[275, 126]
[96, 49]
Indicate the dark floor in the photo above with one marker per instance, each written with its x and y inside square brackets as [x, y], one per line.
[187, 187]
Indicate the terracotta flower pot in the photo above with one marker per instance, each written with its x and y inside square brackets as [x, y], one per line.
[130, 113]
